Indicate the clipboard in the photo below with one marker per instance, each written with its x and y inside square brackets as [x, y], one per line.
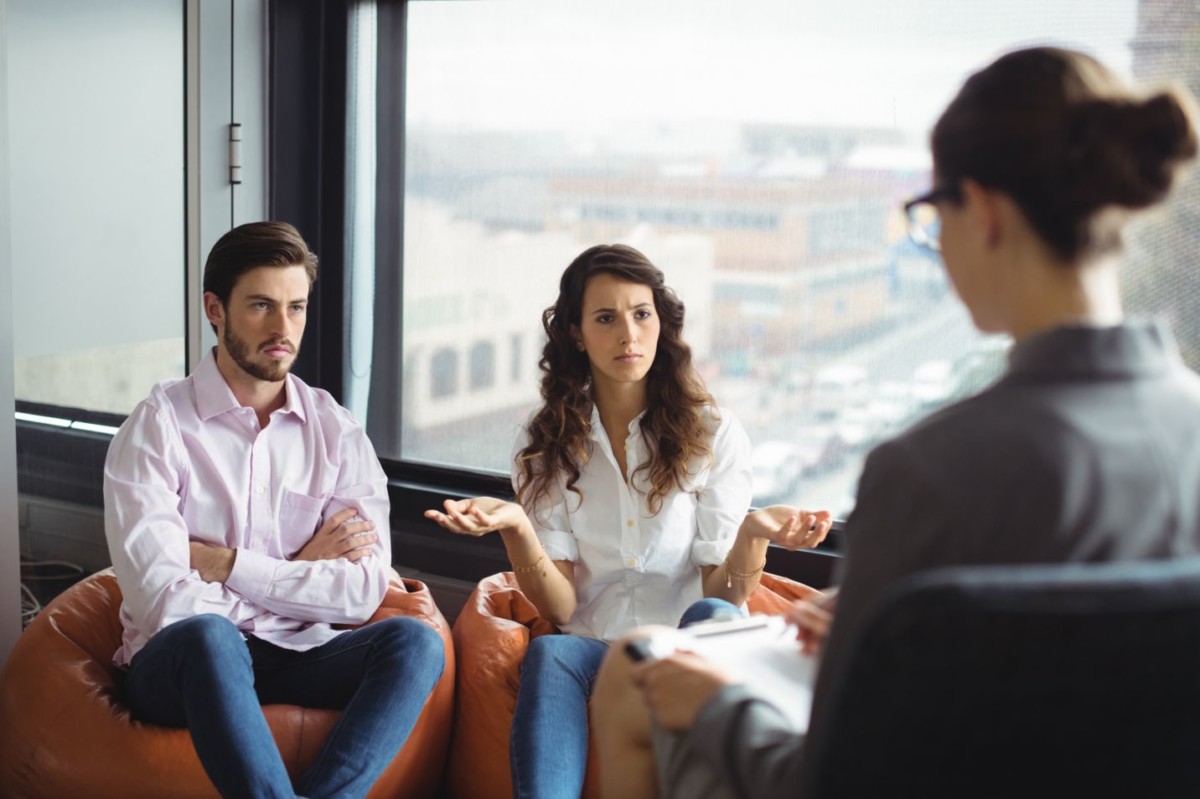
[761, 651]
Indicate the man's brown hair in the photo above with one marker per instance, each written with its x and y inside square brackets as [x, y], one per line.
[253, 245]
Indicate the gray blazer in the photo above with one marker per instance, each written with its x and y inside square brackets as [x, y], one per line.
[1088, 449]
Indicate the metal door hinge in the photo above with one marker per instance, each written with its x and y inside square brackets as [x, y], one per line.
[235, 153]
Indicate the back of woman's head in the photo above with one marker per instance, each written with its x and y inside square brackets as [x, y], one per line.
[1066, 139]
[560, 431]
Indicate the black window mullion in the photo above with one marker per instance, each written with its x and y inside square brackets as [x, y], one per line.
[307, 183]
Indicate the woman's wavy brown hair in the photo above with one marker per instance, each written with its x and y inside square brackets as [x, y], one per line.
[675, 426]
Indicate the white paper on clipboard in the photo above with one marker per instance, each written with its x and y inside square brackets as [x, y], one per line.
[762, 651]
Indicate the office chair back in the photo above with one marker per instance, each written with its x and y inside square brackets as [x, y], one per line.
[1063, 681]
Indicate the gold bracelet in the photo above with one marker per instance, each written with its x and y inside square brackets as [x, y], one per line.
[741, 577]
[535, 566]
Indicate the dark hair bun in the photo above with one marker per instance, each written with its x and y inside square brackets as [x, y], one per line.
[1127, 152]
[1169, 127]
[1065, 138]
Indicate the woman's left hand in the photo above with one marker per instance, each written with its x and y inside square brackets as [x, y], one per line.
[791, 528]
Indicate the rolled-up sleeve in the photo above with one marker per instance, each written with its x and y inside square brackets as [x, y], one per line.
[552, 526]
[725, 496]
[144, 473]
[335, 591]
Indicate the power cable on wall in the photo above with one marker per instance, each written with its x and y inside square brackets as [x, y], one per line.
[30, 607]
[43, 571]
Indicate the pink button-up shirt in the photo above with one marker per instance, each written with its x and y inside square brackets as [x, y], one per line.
[191, 464]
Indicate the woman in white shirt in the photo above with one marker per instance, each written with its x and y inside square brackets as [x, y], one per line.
[637, 487]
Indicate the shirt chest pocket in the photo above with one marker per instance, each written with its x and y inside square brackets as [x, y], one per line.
[299, 516]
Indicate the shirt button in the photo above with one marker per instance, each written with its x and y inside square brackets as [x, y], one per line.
[631, 563]
[629, 522]
[259, 489]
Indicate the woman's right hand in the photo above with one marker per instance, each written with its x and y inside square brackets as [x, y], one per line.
[813, 618]
[479, 516]
[550, 585]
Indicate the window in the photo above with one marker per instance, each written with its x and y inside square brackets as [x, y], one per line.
[483, 365]
[443, 373]
[516, 342]
[758, 153]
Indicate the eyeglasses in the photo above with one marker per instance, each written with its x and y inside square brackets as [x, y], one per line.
[924, 221]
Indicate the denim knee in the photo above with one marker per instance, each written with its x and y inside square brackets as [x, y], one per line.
[544, 658]
[708, 609]
[207, 636]
[541, 654]
[406, 640]
[549, 657]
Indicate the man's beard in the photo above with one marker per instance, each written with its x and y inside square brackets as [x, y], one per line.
[239, 350]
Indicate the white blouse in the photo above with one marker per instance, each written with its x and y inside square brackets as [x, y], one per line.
[632, 567]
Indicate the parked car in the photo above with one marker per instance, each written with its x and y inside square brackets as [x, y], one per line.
[857, 428]
[838, 386]
[822, 448]
[780, 466]
[981, 367]
[933, 383]
[777, 468]
[891, 414]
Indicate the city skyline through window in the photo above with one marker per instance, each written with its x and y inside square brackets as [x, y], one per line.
[758, 154]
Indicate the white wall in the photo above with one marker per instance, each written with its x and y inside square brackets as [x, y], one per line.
[10, 561]
[96, 113]
[96, 125]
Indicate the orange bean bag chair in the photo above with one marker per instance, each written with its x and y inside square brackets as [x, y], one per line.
[491, 634]
[65, 733]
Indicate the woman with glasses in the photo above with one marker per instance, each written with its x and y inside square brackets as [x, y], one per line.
[633, 488]
[1087, 449]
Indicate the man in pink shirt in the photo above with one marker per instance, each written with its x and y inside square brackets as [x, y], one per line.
[246, 515]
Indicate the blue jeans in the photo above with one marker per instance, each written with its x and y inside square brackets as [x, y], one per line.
[549, 746]
[201, 674]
